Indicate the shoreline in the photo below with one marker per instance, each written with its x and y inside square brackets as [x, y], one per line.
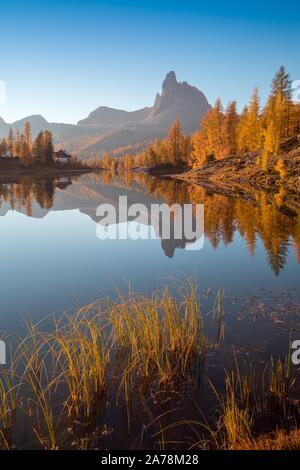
[15, 169]
[242, 177]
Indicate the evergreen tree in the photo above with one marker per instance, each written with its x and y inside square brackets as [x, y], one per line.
[27, 142]
[210, 140]
[48, 147]
[174, 142]
[128, 162]
[218, 124]
[113, 165]
[39, 147]
[282, 84]
[242, 131]
[3, 147]
[23, 148]
[185, 149]
[231, 125]
[282, 90]
[198, 148]
[10, 141]
[250, 129]
[254, 134]
[271, 143]
[16, 145]
[107, 161]
[150, 156]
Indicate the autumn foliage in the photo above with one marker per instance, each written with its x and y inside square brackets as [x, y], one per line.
[227, 133]
[22, 146]
[255, 130]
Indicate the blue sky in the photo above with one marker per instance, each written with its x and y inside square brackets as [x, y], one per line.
[62, 59]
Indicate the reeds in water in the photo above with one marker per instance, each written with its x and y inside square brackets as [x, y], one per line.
[64, 375]
[61, 381]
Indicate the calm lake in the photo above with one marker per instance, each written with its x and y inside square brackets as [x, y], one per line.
[52, 260]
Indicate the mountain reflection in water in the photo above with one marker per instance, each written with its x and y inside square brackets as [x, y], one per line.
[258, 218]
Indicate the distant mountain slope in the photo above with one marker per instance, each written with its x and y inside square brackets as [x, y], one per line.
[177, 99]
[109, 117]
[60, 131]
[106, 129]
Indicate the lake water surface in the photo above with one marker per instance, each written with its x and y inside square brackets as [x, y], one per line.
[52, 260]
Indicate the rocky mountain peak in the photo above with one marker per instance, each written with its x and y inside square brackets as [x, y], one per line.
[169, 82]
[106, 128]
[178, 99]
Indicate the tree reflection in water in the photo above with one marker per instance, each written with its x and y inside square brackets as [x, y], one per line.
[260, 217]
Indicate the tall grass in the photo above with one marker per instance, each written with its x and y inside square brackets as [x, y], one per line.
[159, 335]
[120, 353]
[81, 355]
[255, 412]
[7, 409]
[236, 414]
[65, 375]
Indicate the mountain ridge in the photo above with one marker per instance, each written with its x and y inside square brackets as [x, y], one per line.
[106, 129]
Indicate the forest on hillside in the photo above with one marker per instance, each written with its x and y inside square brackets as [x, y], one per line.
[223, 133]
